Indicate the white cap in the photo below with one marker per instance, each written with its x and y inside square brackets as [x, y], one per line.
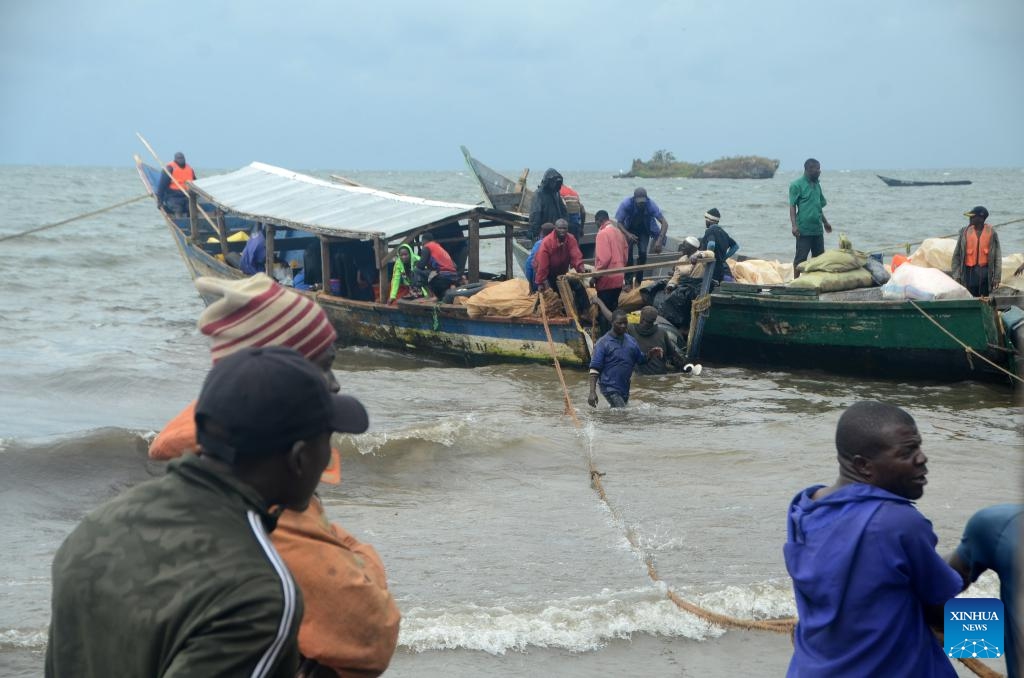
[691, 241]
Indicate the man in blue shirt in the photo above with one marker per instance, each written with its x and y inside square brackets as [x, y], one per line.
[991, 541]
[254, 255]
[640, 217]
[615, 356]
[862, 558]
[528, 268]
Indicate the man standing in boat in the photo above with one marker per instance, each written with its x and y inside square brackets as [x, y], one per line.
[718, 241]
[806, 215]
[575, 211]
[610, 251]
[977, 258]
[548, 205]
[641, 216]
[171, 194]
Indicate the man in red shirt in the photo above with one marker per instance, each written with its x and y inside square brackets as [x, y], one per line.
[574, 208]
[439, 263]
[558, 252]
[610, 251]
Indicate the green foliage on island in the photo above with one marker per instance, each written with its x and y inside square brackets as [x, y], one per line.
[664, 164]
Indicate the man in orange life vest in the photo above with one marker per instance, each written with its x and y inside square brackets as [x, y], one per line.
[977, 259]
[170, 194]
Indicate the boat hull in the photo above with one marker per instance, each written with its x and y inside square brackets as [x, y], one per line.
[890, 339]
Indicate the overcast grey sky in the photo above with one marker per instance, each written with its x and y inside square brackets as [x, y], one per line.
[311, 84]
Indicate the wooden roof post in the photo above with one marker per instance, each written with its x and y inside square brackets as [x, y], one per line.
[221, 235]
[268, 265]
[380, 252]
[509, 257]
[474, 249]
[325, 264]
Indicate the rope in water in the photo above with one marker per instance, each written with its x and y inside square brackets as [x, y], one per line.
[786, 625]
[967, 349]
[68, 221]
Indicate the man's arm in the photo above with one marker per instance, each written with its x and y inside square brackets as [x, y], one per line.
[592, 396]
[824, 221]
[792, 221]
[664, 229]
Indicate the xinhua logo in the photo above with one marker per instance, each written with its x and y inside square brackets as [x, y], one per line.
[974, 628]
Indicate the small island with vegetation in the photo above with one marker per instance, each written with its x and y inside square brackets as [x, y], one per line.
[664, 164]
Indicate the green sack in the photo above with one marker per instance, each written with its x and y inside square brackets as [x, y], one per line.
[833, 282]
[835, 261]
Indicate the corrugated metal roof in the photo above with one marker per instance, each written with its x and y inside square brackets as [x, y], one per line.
[276, 195]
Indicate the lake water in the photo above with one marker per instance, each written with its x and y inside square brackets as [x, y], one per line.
[471, 483]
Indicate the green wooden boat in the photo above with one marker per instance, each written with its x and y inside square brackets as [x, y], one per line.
[855, 332]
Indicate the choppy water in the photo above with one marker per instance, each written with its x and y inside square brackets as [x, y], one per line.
[471, 483]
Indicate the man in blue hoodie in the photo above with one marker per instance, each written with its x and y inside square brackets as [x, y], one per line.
[862, 558]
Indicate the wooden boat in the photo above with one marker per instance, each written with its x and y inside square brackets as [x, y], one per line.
[855, 332]
[901, 182]
[500, 192]
[333, 223]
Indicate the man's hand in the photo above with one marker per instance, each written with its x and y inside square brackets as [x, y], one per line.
[658, 244]
[632, 237]
[1019, 271]
[592, 399]
[543, 287]
[655, 352]
[796, 231]
[828, 227]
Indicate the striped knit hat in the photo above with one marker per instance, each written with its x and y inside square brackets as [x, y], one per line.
[256, 311]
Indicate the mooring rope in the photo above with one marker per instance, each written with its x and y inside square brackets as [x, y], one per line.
[784, 625]
[776, 625]
[68, 221]
[905, 246]
[969, 351]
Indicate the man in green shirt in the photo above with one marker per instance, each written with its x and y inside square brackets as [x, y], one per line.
[806, 218]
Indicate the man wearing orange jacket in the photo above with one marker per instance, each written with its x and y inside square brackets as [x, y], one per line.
[350, 624]
[171, 194]
[977, 258]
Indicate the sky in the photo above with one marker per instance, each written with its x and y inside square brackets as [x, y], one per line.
[573, 84]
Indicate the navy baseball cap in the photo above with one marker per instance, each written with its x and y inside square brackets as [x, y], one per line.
[978, 211]
[260, 400]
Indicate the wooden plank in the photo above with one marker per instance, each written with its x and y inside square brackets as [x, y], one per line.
[221, 234]
[193, 211]
[509, 255]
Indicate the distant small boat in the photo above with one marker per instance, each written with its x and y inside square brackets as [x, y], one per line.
[901, 182]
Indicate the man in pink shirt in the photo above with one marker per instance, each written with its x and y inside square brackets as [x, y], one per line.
[558, 252]
[610, 251]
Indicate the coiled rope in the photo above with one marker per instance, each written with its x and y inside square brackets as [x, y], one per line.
[785, 625]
